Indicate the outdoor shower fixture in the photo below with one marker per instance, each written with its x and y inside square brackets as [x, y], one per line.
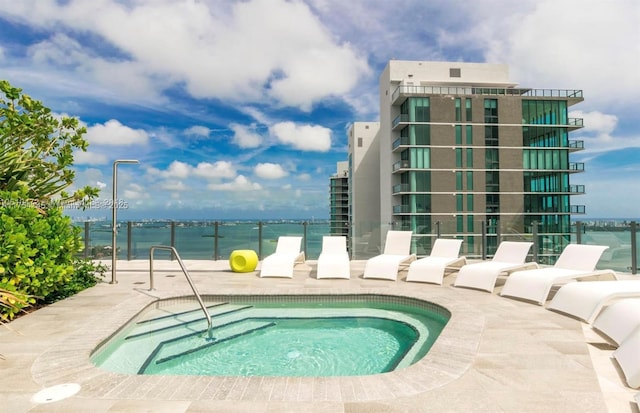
[114, 209]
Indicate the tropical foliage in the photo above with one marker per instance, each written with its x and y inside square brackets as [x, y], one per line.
[38, 244]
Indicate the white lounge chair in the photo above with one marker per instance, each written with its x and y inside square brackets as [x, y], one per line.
[444, 255]
[397, 252]
[576, 260]
[585, 299]
[334, 261]
[619, 319]
[282, 261]
[628, 358]
[510, 256]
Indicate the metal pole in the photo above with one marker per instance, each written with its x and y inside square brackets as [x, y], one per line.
[634, 249]
[87, 242]
[534, 235]
[304, 238]
[114, 228]
[215, 241]
[129, 226]
[260, 240]
[578, 232]
[173, 236]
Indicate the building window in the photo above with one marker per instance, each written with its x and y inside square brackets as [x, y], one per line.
[458, 103]
[359, 142]
[467, 106]
[458, 134]
[455, 72]
[491, 111]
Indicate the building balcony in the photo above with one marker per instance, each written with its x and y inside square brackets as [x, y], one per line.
[575, 123]
[576, 166]
[577, 189]
[400, 121]
[401, 209]
[576, 145]
[400, 143]
[400, 188]
[578, 209]
[401, 165]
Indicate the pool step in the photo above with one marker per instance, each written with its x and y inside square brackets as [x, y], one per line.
[178, 347]
[182, 321]
[163, 318]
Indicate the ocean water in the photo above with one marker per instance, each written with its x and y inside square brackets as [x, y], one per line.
[197, 240]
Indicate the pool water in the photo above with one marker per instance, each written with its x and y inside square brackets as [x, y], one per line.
[281, 336]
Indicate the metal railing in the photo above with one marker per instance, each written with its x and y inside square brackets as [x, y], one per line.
[217, 240]
[186, 274]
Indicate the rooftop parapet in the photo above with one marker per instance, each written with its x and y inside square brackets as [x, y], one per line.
[404, 91]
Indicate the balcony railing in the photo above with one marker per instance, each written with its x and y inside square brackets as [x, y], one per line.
[400, 188]
[400, 120]
[576, 144]
[578, 209]
[577, 189]
[401, 141]
[576, 166]
[401, 165]
[404, 91]
[216, 240]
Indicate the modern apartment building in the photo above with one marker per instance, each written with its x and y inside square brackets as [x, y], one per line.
[339, 200]
[461, 150]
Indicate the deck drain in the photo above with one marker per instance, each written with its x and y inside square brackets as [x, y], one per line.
[56, 393]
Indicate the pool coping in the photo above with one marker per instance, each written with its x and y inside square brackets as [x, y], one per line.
[449, 358]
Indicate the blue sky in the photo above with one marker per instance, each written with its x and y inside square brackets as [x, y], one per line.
[239, 109]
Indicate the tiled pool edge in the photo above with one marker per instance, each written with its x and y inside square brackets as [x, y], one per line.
[449, 358]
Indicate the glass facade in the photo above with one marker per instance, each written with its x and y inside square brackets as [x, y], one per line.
[339, 205]
[545, 162]
[508, 170]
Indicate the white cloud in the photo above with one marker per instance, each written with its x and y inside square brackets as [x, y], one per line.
[114, 133]
[601, 124]
[89, 158]
[303, 137]
[241, 183]
[219, 169]
[600, 134]
[244, 51]
[200, 131]
[173, 185]
[135, 192]
[101, 185]
[178, 169]
[269, 171]
[245, 137]
[595, 47]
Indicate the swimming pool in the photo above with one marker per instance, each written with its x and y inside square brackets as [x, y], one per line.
[311, 335]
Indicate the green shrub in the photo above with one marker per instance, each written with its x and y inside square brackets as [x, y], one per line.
[86, 274]
[37, 248]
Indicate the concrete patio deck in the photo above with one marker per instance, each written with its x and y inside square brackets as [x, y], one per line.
[495, 355]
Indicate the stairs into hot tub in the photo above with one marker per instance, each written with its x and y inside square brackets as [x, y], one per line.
[175, 335]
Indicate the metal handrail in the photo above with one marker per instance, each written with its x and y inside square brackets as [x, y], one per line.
[186, 274]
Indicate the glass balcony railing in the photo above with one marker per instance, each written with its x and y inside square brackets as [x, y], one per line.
[401, 165]
[576, 166]
[576, 144]
[206, 240]
[404, 91]
[577, 189]
[400, 188]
